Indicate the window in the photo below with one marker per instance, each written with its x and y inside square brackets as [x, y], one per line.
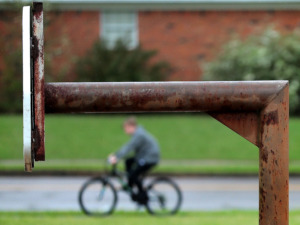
[119, 25]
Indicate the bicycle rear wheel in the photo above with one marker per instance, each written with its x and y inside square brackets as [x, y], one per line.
[97, 197]
[165, 197]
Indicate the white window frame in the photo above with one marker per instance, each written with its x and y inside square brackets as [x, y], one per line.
[111, 30]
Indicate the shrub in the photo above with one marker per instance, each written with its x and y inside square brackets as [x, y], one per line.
[11, 63]
[11, 83]
[120, 64]
[269, 56]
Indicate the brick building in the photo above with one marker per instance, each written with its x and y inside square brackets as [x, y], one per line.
[185, 32]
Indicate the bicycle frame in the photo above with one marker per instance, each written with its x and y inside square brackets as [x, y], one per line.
[121, 178]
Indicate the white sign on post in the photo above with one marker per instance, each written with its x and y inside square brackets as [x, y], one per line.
[27, 115]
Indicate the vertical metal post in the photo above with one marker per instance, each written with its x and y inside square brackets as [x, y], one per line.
[38, 80]
[274, 161]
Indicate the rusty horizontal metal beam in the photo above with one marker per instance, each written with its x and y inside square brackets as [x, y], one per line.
[159, 96]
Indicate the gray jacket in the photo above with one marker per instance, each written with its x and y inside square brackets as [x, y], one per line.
[144, 145]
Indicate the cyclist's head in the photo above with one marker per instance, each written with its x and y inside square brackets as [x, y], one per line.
[130, 125]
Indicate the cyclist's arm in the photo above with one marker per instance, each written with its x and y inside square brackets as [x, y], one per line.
[130, 146]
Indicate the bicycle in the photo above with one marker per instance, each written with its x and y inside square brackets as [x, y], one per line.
[98, 196]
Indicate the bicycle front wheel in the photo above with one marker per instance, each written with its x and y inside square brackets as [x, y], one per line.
[97, 197]
[164, 197]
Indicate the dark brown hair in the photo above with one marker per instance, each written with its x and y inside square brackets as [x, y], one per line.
[130, 121]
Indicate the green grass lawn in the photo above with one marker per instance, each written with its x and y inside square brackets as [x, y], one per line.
[120, 218]
[189, 143]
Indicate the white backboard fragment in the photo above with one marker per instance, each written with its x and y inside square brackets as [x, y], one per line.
[26, 89]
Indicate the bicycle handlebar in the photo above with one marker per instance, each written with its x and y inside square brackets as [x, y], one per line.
[113, 170]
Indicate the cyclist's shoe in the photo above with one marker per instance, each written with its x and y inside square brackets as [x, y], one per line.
[134, 197]
[142, 198]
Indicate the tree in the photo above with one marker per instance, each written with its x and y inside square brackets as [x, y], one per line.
[269, 56]
[120, 64]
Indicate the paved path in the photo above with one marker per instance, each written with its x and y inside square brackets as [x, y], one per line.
[60, 193]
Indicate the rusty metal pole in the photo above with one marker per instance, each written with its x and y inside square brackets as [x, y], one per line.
[38, 132]
[274, 161]
[159, 96]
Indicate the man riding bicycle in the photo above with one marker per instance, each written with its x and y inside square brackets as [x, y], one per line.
[146, 156]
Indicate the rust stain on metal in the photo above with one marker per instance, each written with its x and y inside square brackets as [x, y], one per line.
[36, 51]
[271, 118]
[264, 155]
[38, 79]
[38, 10]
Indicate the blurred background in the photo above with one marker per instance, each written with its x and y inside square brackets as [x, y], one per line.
[140, 40]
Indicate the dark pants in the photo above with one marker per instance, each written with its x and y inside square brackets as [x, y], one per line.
[135, 172]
